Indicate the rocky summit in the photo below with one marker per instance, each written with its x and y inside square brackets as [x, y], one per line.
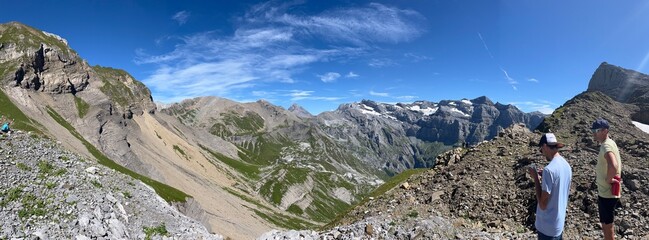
[50, 193]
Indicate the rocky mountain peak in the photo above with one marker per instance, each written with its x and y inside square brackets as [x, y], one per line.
[23, 39]
[482, 100]
[299, 111]
[623, 85]
[501, 106]
[40, 61]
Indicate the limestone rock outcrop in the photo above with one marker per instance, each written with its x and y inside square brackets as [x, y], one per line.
[625, 86]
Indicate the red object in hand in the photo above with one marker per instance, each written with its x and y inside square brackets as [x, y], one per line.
[615, 186]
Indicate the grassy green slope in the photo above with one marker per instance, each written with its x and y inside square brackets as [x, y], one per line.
[390, 184]
[118, 90]
[27, 37]
[10, 111]
[170, 194]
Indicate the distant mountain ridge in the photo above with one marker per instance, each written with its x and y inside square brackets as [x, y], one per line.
[451, 121]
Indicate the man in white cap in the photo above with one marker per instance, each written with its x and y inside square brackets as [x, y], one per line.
[551, 193]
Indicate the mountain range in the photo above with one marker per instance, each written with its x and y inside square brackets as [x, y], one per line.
[484, 192]
[242, 169]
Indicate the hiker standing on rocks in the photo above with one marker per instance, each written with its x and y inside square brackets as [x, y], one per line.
[551, 193]
[608, 171]
[6, 126]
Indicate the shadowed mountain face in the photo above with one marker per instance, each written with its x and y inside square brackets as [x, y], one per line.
[625, 86]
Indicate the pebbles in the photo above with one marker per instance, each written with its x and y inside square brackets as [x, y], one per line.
[50, 193]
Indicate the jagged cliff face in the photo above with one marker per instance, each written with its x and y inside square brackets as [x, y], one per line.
[40, 61]
[623, 85]
[98, 101]
[449, 121]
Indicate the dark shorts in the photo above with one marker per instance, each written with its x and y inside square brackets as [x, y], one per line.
[606, 209]
[542, 236]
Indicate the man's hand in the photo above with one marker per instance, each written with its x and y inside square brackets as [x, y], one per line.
[534, 173]
[616, 179]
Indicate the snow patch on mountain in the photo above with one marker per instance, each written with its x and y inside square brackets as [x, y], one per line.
[641, 126]
[368, 110]
[455, 110]
[426, 111]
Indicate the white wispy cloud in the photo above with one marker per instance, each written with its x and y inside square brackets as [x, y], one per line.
[357, 25]
[380, 94]
[355, 93]
[262, 93]
[299, 94]
[181, 17]
[510, 80]
[542, 106]
[416, 57]
[351, 75]
[296, 95]
[485, 46]
[329, 77]
[533, 80]
[380, 62]
[273, 44]
[407, 98]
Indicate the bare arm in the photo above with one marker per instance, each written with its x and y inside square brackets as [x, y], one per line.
[541, 197]
[612, 166]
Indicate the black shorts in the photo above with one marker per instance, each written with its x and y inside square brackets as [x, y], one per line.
[606, 209]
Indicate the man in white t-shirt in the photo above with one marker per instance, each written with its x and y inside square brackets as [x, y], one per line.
[552, 192]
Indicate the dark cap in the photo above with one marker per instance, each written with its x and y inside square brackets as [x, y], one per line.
[550, 140]
[600, 123]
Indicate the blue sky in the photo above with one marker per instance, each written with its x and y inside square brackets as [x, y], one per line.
[320, 54]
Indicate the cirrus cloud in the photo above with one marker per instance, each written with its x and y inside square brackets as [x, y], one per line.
[273, 43]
